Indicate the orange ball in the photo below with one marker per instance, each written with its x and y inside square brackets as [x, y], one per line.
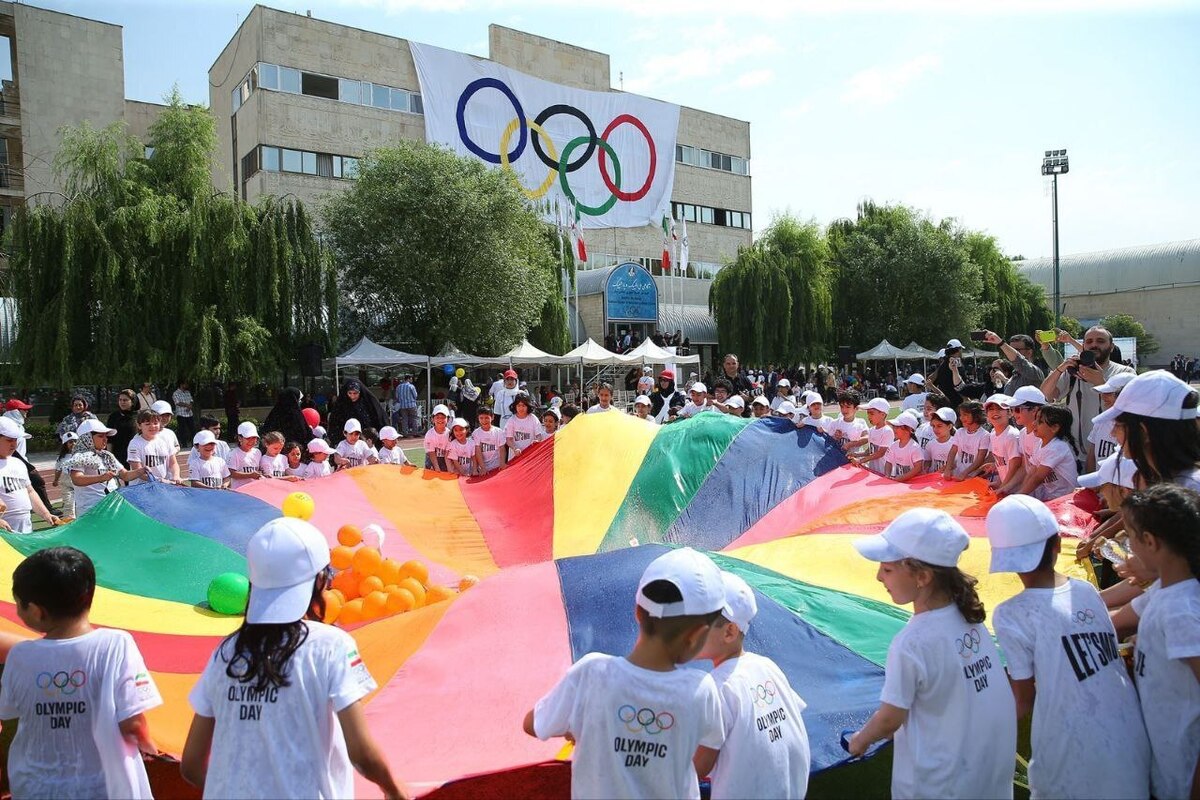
[347, 582]
[351, 612]
[349, 536]
[333, 606]
[375, 605]
[416, 588]
[467, 582]
[369, 584]
[340, 557]
[400, 600]
[389, 571]
[367, 561]
[415, 569]
[437, 594]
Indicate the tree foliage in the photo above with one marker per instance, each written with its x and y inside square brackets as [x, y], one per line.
[437, 249]
[1120, 325]
[1009, 302]
[141, 273]
[752, 304]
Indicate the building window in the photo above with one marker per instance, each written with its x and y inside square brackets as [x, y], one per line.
[698, 157]
[349, 91]
[289, 80]
[270, 159]
[276, 159]
[293, 161]
[319, 86]
[268, 76]
[345, 90]
[349, 167]
[706, 215]
[235, 99]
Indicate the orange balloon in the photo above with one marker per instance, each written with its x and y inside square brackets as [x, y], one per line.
[340, 557]
[399, 600]
[437, 594]
[367, 561]
[389, 571]
[341, 598]
[467, 582]
[333, 606]
[375, 605]
[351, 612]
[416, 588]
[347, 582]
[349, 536]
[415, 569]
[369, 584]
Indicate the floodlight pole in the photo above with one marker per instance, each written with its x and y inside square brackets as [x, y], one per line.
[1053, 164]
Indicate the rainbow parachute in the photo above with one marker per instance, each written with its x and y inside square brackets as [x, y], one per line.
[559, 540]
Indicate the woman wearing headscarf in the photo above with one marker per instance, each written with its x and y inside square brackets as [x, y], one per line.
[666, 397]
[354, 402]
[124, 422]
[468, 405]
[79, 412]
[287, 417]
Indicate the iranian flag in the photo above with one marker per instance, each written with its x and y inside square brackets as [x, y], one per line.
[578, 246]
[668, 226]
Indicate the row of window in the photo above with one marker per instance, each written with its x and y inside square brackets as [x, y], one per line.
[699, 157]
[294, 81]
[697, 269]
[711, 216]
[304, 162]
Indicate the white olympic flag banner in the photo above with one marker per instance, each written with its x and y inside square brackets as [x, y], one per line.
[610, 154]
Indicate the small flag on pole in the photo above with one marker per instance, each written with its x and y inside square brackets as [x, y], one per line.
[577, 244]
[683, 248]
[668, 226]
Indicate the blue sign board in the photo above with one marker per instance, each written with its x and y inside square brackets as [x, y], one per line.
[630, 295]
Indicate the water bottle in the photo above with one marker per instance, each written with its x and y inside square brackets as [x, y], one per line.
[1113, 552]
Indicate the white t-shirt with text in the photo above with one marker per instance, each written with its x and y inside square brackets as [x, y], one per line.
[463, 454]
[275, 466]
[243, 461]
[211, 471]
[901, 459]
[14, 491]
[357, 454]
[879, 439]
[1056, 455]
[315, 469]
[392, 455]
[968, 444]
[521, 432]
[937, 453]
[153, 454]
[1004, 446]
[489, 443]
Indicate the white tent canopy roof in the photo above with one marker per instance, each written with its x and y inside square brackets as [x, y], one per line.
[369, 354]
[452, 355]
[913, 347]
[886, 351]
[649, 353]
[525, 353]
[592, 353]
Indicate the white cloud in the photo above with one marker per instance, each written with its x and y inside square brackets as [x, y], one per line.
[878, 86]
[796, 111]
[753, 78]
[710, 52]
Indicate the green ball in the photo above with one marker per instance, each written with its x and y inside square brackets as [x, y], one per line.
[228, 593]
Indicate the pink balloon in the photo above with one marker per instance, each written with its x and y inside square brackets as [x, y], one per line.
[311, 416]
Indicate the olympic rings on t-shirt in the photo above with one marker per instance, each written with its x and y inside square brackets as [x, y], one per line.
[646, 719]
[764, 694]
[1084, 616]
[968, 645]
[65, 683]
[532, 130]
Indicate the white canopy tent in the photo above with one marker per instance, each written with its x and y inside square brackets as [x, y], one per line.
[593, 354]
[370, 354]
[886, 351]
[649, 353]
[452, 355]
[525, 353]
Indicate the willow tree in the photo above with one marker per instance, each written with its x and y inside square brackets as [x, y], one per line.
[751, 301]
[1008, 301]
[142, 272]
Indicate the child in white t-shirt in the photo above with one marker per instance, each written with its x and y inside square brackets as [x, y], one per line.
[284, 677]
[243, 459]
[95, 472]
[550, 420]
[937, 452]
[1061, 650]
[318, 465]
[490, 442]
[353, 451]
[879, 437]
[165, 415]
[80, 693]
[766, 751]
[1101, 441]
[1004, 443]
[390, 451]
[60, 471]
[208, 470]
[522, 427]
[1024, 407]
[150, 450]
[904, 459]
[848, 428]
[698, 404]
[273, 463]
[1052, 471]
[603, 402]
[1162, 522]
[945, 700]
[814, 416]
[642, 406]
[463, 454]
[437, 439]
[295, 459]
[929, 407]
[970, 444]
[638, 720]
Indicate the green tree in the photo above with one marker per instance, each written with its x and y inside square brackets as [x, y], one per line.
[804, 257]
[1008, 302]
[437, 249]
[1071, 326]
[143, 273]
[752, 304]
[1120, 325]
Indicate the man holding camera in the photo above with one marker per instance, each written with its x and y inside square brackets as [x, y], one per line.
[1075, 380]
[1018, 351]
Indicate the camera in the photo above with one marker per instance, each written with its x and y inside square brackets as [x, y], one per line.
[1086, 359]
[978, 336]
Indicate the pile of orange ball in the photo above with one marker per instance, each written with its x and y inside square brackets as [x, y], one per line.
[368, 586]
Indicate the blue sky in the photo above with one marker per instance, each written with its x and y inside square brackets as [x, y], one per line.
[946, 105]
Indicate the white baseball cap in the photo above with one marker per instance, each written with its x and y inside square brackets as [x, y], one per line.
[204, 437]
[736, 402]
[696, 577]
[760, 400]
[906, 419]
[782, 382]
[352, 426]
[319, 431]
[247, 430]
[808, 398]
[161, 407]
[388, 432]
[941, 353]
[1002, 400]
[699, 387]
[953, 343]
[91, 426]
[1157, 394]
[1028, 395]
[459, 422]
[642, 400]
[1116, 382]
[1017, 528]
[925, 534]
[283, 556]
[319, 446]
[785, 409]
[740, 605]
[11, 430]
[1116, 469]
[946, 415]
[916, 378]
[69, 436]
[879, 404]
[440, 408]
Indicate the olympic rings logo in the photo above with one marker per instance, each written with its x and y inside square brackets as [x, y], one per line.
[645, 719]
[764, 694]
[1084, 617]
[968, 645]
[64, 683]
[531, 132]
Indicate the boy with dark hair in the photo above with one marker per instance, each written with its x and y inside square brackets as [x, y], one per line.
[80, 692]
[638, 721]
